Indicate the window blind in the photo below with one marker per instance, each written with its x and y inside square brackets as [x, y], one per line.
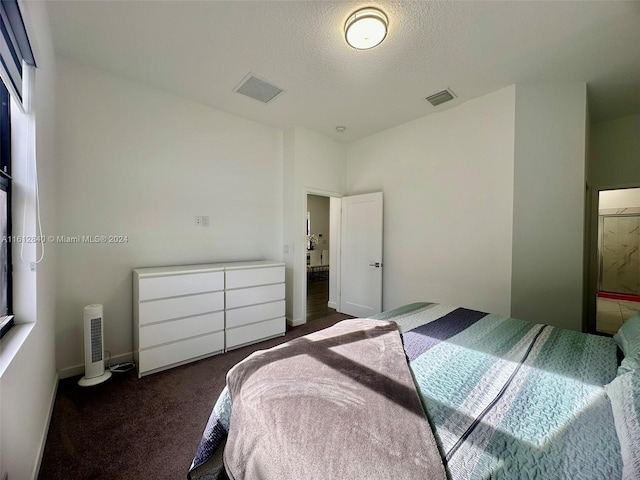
[14, 46]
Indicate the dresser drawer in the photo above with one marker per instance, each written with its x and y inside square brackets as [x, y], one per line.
[176, 285]
[255, 313]
[165, 332]
[254, 332]
[166, 309]
[254, 277]
[253, 295]
[169, 355]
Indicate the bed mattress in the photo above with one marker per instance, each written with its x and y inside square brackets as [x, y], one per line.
[505, 398]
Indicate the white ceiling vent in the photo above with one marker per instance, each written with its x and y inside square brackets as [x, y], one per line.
[257, 88]
[441, 97]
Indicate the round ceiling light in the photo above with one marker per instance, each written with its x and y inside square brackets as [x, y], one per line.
[366, 28]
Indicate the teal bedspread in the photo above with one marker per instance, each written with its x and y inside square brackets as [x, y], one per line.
[506, 399]
[512, 399]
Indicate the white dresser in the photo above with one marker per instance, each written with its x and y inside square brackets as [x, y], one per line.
[254, 302]
[178, 315]
[184, 313]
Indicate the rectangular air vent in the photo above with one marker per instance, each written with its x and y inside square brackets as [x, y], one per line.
[441, 97]
[257, 88]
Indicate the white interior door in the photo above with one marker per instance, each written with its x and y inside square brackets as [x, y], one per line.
[361, 255]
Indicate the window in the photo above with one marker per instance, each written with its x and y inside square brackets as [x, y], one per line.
[15, 56]
[6, 320]
[14, 48]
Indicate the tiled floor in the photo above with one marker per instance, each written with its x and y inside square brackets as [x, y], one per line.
[613, 313]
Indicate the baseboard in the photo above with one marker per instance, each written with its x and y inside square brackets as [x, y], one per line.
[71, 371]
[620, 296]
[79, 369]
[333, 305]
[295, 323]
[45, 433]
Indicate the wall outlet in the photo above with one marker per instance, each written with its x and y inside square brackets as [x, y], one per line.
[202, 221]
[285, 249]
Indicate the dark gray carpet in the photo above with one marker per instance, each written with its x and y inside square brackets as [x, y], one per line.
[148, 428]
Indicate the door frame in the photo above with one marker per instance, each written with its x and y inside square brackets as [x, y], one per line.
[334, 248]
[593, 272]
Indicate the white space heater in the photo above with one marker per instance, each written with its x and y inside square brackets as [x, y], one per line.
[94, 372]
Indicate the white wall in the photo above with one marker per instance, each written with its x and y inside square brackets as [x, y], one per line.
[316, 164]
[28, 383]
[335, 218]
[448, 189]
[623, 198]
[549, 204]
[289, 218]
[139, 162]
[615, 153]
[319, 211]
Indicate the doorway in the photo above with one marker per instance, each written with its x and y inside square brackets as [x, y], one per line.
[618, 261]
[318, 257]
[355, 226]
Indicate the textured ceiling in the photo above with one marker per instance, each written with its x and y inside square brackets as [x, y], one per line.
[203, 49]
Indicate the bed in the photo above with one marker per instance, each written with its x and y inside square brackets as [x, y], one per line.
[501, 398]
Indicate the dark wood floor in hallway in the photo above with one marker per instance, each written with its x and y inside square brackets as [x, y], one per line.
[317, 298]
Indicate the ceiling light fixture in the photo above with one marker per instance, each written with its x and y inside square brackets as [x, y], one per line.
[366, 28]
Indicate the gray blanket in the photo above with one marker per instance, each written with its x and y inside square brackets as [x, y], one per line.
[338, 403]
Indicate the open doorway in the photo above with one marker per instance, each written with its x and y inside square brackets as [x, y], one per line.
[318, 255]
[618, 292]
[354, 256]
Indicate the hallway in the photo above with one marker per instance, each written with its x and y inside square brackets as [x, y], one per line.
[317, 298]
